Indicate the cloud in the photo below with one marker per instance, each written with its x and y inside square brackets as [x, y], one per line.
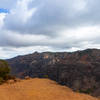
[50, 16]
[53, 25]
[76, 38]
[9, 52]
[44, 17]
[2, 16]
[7, 4]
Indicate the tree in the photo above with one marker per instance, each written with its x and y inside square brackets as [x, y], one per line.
[4, 71]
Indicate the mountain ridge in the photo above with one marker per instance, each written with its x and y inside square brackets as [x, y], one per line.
[72, 69]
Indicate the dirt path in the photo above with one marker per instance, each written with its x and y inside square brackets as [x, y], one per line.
[39, 89]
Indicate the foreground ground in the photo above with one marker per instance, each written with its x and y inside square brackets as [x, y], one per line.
[39, 89]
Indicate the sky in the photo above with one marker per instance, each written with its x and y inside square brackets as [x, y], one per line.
[27, 26]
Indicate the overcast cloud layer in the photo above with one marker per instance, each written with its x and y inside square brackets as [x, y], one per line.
[48, 25]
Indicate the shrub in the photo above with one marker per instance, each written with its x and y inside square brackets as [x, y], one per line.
[88, 91]
[4, 71]
[8, 77]
[45, 76]
[1, 80]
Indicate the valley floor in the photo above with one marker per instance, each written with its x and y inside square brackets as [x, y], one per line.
[39, 89]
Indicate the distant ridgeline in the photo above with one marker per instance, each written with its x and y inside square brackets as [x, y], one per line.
[78, 70]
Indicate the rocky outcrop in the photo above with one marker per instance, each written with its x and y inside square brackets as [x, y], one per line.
[78, 70]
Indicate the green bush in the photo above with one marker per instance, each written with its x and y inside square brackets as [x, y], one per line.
[88, 91]
[1, 80]
[45, 76]
[4, 71]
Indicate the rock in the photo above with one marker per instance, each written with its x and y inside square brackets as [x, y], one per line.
[17, 80]
[27, 78]
[10, 81]
[78, 70]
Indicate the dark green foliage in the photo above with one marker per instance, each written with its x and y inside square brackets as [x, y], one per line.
[88, 91]
[1, 80]
[45, 76]
[4, 71]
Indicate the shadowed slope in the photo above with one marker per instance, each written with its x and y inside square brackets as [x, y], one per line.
[70, 69]
[39, 89]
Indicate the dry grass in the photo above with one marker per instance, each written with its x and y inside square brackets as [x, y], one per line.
[39, 89]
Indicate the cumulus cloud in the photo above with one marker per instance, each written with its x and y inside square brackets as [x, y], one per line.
[2, 16]
[53, 25]
[7, 4]
[50, 16]
[44, 17]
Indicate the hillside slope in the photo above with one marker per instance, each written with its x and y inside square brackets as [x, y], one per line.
[70, 69]
[39, 89]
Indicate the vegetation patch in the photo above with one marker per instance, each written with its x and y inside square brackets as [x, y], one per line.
[4, 72]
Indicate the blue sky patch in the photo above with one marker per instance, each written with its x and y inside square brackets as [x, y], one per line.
[2, 10]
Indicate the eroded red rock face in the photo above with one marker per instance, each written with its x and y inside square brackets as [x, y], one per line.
[79, 70]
